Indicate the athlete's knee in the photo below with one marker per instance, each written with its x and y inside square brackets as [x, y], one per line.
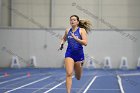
[69, 74]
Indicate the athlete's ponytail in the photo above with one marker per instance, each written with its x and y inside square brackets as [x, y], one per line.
[86, 24]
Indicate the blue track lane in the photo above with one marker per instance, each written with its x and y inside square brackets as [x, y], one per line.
[53, 80]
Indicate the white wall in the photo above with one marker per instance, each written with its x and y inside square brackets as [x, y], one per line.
[115, 12]
[4, 13]
[120, 13]
[0, 12]
[64, 9]
[134, 14]
[30, 42]
[23, 10]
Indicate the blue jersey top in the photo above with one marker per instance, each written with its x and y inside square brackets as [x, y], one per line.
[72, 43]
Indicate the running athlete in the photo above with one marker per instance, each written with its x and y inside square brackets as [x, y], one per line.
[76, 37]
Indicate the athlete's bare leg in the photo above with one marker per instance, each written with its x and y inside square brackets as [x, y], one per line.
[69, 64]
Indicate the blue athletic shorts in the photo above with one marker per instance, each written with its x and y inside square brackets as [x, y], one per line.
[76, 55]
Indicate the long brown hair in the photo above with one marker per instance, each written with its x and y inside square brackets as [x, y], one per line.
[86, 24]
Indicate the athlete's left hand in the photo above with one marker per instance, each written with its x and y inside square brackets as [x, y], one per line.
[72, 34]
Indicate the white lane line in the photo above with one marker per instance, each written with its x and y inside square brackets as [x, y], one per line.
[12, 74]
[56, 86]
[106, 89]
[85, 91]
[65, 88]
[13, 79]
[2, 76]
[27, 84]
[120, 84]
[45, 86]
[132, 74]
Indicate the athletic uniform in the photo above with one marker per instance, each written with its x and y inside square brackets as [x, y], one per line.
[74, 49]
